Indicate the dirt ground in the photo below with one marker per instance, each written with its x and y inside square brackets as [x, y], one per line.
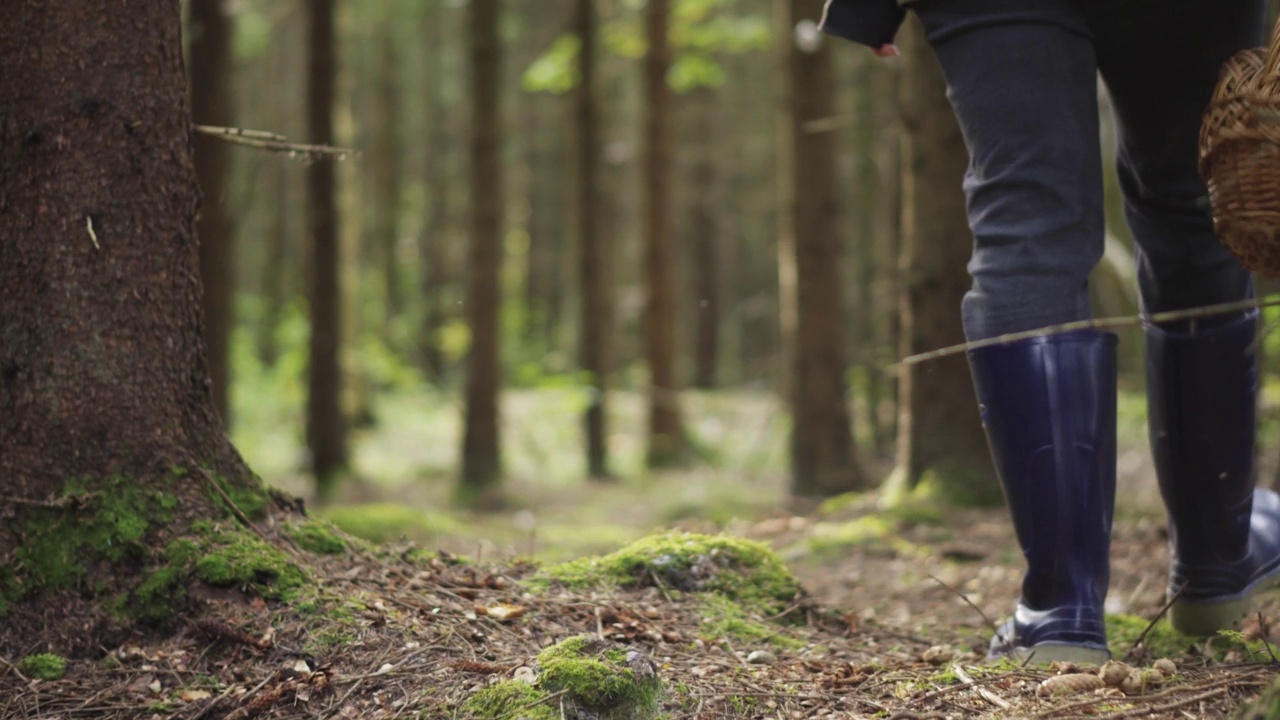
[882, 632]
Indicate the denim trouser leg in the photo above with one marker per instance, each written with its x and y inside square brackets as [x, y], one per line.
[1025, 95]
[1160, 62]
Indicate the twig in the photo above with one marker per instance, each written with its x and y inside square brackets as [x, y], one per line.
[1096, 324]
[88, 225]
[967, 601]
[986, 694]
[1265, 629]
[1143, 635]
[235, 509]
[270, 141]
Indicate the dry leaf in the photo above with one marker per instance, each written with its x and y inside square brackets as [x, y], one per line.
[194, 695]
[504, 612]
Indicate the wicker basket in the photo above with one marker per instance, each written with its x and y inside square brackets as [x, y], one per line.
[1240, 157]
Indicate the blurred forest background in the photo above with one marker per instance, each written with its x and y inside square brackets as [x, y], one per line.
[635, 261]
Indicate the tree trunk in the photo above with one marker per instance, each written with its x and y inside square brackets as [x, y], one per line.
[275, 269]
[211, 104]
[939, 430]
[481, 466]
[668, 444]
[432, 249]
[387, 175]
[594, 246]
[326, 426]
[105, 403]
[785, 187]
[823, 457]
[706, 239]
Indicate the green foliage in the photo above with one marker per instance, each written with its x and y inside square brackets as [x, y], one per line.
[43, 666]
[556, 70]
[1162, 641]
[744, 571]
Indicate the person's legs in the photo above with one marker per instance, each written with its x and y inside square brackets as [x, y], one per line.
[1024, 91]
[1160, 61]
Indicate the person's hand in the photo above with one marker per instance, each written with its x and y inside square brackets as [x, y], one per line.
[885, 51]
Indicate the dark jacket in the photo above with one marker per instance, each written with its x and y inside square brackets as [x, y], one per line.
[870, 22]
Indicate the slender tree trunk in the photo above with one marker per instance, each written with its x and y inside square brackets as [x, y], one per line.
[668, 444]
[274, 269]
[594, 246]
[784, 170]
[211, 104]
[104, 387]
[326, 426]
[389, 170]
[823, 456]
[481, 466]
[432, 251]
[939, 429]
[706, 240]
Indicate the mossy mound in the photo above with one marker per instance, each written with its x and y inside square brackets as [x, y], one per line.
[43, 666]
[317, 536]
[580, 678]
[386, 522]
[744, 571]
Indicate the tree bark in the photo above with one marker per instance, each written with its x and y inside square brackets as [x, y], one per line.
[432, 249]
[104, 387]
[211, 104]
[387, 175]
[594, 246]
[939, 432]
[668, 444]
[706, 240]
[823, 456]
[326, 425]
[481, 465]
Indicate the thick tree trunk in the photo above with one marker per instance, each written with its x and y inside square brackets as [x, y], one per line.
[668, 444]
[104, 388]
[939, 430]
[823, 456]
[481, 466]
[326, 425]
[211, 104]
[594, 246]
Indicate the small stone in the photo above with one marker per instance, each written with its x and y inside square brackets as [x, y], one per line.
[761, 657]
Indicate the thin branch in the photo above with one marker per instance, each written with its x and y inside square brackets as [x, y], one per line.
[272, 142]
[986, 694]
[967, 601]
[1097, 324]
[1143, 636]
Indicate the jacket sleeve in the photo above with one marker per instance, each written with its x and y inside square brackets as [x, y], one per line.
[868, 22]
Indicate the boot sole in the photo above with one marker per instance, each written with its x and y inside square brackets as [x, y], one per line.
[1207, 618]
[1047, 653]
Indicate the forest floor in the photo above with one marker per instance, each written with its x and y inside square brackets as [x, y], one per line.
[892, 621]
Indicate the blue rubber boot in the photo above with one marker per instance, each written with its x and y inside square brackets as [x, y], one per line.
[1049, 408]
[1224, 536]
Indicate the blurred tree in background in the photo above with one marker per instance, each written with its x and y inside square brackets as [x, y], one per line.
[588, 238]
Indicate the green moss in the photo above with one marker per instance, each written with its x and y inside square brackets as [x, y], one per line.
[597, 677]
[724, 619]
[510, 699]
[317, 536]
[384, 522]
[236, 557]
[744, 571]
[43, 666]
[1162, 641]
[107, 522]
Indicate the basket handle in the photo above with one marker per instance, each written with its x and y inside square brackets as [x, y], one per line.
[1272, 65]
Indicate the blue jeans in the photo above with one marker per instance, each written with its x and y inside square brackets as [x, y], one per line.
[1023, 84]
